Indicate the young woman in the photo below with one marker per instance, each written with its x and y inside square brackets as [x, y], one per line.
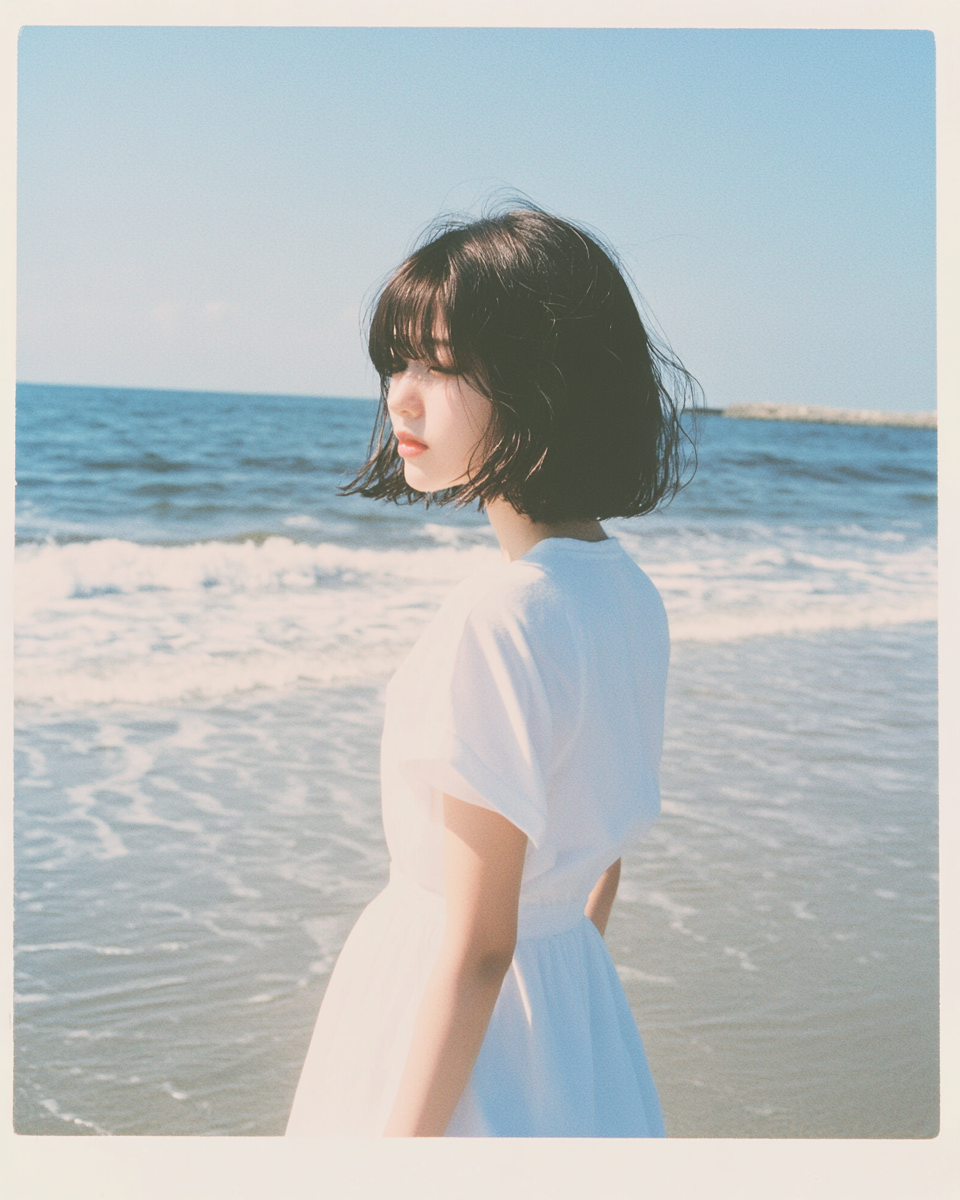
[475, 997]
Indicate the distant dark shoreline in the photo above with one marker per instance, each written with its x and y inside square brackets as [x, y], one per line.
[826, 416]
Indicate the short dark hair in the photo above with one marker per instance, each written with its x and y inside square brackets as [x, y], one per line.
[536, 314]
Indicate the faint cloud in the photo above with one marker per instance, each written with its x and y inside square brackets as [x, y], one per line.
[166, 315]
[177, 318]
[214, 309]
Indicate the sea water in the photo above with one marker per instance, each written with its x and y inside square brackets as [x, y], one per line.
[204, 632]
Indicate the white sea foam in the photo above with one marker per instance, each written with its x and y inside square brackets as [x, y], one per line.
[115, 621]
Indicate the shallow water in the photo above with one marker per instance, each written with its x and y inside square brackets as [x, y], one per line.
[782, 914]
[204, 632]
[186, 878]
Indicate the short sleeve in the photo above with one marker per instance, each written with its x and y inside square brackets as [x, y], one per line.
[484, 730]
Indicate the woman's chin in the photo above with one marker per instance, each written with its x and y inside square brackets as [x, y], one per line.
[416, 479]
[422, 481]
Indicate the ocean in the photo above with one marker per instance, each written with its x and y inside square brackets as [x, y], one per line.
[204, 632]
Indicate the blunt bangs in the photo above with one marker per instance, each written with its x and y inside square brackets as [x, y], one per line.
[534, 313]
[412, 310]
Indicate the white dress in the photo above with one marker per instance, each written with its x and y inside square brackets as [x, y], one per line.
[537, 691]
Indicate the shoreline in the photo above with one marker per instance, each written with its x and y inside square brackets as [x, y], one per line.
[827, 416]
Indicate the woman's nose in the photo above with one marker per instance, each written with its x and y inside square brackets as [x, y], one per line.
[403, 395]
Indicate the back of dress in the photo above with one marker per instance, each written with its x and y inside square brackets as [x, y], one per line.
[537, 692]
[603, 791]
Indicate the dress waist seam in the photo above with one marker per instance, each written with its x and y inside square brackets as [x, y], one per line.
[533, 920]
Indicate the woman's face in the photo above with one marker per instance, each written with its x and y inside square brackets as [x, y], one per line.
[439, 421]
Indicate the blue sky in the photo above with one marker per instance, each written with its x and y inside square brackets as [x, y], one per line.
[211, 208]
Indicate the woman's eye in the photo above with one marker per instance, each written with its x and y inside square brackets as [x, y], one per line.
[398, 367]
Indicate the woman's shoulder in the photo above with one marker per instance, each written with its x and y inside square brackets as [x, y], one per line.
[521, 593]
[518, 601]
[586, 571]
[552, 595]
[556, 573]
[602, 589]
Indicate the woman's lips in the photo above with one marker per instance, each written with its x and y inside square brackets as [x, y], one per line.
[409, 446]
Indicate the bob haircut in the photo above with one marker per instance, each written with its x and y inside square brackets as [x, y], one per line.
[531, 311]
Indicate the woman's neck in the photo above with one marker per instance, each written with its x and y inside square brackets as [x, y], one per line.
[518, 534]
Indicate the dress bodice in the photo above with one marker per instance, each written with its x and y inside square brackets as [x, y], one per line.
[537, 690]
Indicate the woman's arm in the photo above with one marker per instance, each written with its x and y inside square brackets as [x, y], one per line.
[483, 864]
[602, 897]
